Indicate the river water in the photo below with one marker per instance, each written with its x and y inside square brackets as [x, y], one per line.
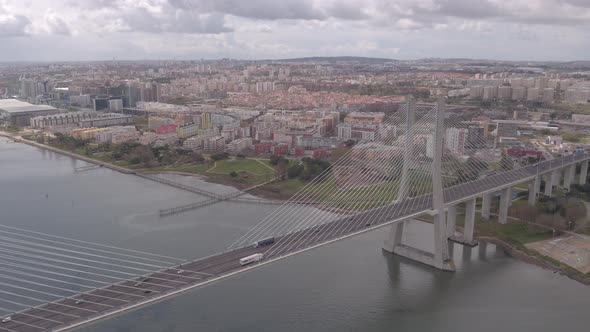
[349, 285]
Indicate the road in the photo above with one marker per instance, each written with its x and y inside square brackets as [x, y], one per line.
[104, 302]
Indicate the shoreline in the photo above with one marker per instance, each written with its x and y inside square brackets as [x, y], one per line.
[252, 190]
[511, 250]
[523, 256]
[69, 154]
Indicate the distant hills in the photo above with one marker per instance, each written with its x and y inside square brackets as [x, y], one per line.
[457, 61]
[336, 59]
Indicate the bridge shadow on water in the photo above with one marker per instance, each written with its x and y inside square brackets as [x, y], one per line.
[417, 288]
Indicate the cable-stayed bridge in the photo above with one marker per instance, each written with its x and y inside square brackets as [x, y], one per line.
[420, 161]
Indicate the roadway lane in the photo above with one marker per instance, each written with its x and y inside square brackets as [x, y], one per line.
[91, 305]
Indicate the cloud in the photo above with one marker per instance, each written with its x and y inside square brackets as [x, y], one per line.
[256, 9]
[14, 25]
[167, 20]
[277, 28]
[56, 25]
[408, 24]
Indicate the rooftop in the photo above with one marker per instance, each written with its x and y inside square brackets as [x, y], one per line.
[14, 106]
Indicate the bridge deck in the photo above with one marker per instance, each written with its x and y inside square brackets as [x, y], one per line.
[103, 302]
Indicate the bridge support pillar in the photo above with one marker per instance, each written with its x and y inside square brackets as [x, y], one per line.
[583, 172]
[534, 187]
[503, 211]
[469, 227]
[440, 258]
[486, 205]
[451, 220]
[394, 245]
[568, 177]
[395, 237]
[548, 184]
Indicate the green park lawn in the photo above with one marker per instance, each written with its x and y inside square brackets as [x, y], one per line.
[242, 165]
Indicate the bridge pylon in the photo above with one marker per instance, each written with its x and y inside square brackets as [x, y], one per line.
[440, 258]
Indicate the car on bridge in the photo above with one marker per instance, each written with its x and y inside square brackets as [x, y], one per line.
[251, 259]
[264, 242]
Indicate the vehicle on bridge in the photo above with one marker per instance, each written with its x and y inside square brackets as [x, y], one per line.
[251, 259]
[6, 319]
[264, 242]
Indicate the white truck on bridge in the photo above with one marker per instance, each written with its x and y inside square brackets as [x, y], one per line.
[251, 259]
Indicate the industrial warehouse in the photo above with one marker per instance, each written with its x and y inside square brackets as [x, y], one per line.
[20, 113]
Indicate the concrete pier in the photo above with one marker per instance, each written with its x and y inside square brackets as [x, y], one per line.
[548, 184]
[394, 245]
[583, 172]
[534, 187]
[440, 258]
[504, 204]
[469, 226]
[451, 220]
[395, 237]
[568, 176]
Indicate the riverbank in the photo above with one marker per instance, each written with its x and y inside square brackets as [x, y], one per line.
[535, 258]
[68, 153]
[256, 190]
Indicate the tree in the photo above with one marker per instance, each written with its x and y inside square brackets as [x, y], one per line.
[196, 157]
[313, 168]
[274, 160]
[219, 156]
[141, 155]
[295, 171]
[233, 174]
[281, 168]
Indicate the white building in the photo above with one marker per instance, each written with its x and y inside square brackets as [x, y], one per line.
[166, 139]
[239, 145]
[214, 144]
[455, 140]
[187, 130]
[115, 105]
[194, 143]
[578, 93]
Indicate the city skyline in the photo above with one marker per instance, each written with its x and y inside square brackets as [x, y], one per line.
[519, 30]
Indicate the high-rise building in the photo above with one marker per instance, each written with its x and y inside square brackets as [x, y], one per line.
[81, 100]
[30, 88]
[476, 92]
[548, 95]
[518, 93]
[262, 87]
[100, 103]
[115, 105]
[578, 93]
[214, 144]
[205, 120]
[532, 94]
[504, 92]
[131, 95]
[541, 83]
[187, 130]
[490, 92]
[456, 139]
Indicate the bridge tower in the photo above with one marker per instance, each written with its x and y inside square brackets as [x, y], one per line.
[440, 258]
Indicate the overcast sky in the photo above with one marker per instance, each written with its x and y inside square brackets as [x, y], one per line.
[256, 29]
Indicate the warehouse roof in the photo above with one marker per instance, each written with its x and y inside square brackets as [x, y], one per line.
[14, 106]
